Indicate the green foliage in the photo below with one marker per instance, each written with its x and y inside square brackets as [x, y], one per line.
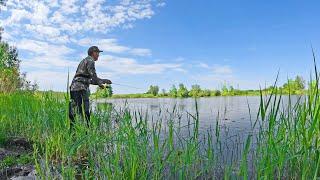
[224, 90]
[173, 92]
[8, 56]
[295, 86]
[154, 90]
[163, 93]
[10, 77]
[182, 91]
[104, 92]
[195, 91]
[10, 161]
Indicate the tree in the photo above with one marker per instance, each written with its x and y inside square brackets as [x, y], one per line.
[294, 86]
[205, 93]
[154, 90]
[300, 83]
[224, 90]
[217, 93]
[195, 91]
[182, 91]
[173, 92]
[163, 92]
[9, 68]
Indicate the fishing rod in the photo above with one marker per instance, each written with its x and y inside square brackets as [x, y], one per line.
[126, 86]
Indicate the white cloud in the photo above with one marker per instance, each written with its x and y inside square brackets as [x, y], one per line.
[120, 65]
[49, 80]
[204, 65]
[69, 6]
[218, 69]
[51, 30]
[161, 4]
[215, 74]
[74, 16]
[45, 55]
[45, 31]
[111, 45]
[140, 52]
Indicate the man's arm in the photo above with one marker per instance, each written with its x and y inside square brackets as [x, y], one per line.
[94, 78]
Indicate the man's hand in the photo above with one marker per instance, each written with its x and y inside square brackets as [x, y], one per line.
[107, 81]
[101, 86]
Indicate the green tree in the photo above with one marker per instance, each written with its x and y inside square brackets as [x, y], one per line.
[182, 91]
[154, 90]
[10, 77]
[195, 91]
[224, 90]
[217, 93]
[294, 86]
[173, 92]
[9, 68]
[205, 93]
[163, 93]
[300, 83]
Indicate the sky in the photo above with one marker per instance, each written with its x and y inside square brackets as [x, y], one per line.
[156, 42]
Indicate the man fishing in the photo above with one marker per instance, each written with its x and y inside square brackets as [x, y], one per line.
[79, 88]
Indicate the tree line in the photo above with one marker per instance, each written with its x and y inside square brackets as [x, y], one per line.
[292, 86]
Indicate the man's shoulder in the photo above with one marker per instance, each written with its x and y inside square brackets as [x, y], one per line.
[88, 58]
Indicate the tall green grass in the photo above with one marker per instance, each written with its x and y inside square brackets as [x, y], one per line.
[121, 144]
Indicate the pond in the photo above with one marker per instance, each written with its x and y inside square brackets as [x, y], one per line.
[235, 114]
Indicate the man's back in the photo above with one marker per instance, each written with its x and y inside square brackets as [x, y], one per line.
[83, 75]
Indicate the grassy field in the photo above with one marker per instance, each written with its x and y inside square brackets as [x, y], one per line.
[121, 144]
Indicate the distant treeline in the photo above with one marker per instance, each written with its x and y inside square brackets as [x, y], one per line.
[292, 86]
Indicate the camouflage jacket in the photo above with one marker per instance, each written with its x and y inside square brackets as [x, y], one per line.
[86, 75]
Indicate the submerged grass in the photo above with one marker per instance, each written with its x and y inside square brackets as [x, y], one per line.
[284, 142]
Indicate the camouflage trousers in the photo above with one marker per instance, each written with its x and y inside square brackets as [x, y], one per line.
[79, 102]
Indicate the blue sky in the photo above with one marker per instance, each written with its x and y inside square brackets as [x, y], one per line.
[150, 42]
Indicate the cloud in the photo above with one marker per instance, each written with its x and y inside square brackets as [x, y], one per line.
[45, 55]
[161, 4]
[204, 65]
[120, 65]
[49, 80]
[140, 52]
[73, 17]
[50, 36]
[111, 45]
[218, 69]
[215, 74]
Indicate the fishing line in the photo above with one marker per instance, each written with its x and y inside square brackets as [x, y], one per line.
[126, 86]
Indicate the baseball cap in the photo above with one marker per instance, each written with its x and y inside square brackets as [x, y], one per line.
[93, 49]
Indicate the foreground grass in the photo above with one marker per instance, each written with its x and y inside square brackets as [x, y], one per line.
[284, 142]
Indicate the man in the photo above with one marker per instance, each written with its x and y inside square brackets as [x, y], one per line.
[79, 88]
